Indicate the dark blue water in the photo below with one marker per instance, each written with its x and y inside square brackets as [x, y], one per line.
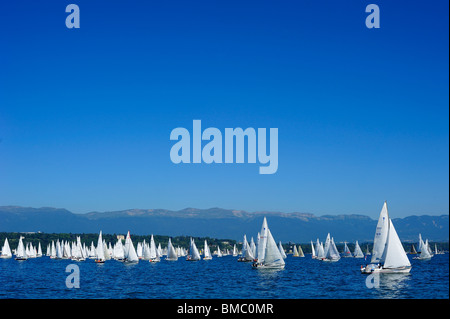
[220, 278]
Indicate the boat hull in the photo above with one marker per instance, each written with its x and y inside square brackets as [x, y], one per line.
[370, 269]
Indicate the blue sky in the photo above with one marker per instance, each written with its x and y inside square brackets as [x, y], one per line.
[362, 114]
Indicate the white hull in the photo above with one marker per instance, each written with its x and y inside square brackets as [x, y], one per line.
[262, 266]
[375, 269]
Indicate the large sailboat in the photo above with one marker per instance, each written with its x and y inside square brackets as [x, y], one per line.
[269, 255]
[388, 255]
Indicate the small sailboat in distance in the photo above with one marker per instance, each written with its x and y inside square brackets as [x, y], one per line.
[207, 252]
[193, 254]
[100, 251]
[20, 251]
[129, 250]
[388, 254]
[172, 254]
[6, 250]
[269, 256]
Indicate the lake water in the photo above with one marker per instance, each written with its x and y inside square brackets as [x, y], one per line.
[302, 278]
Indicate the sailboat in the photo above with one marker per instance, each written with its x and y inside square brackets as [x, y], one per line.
[269, 255]
[100, 251]
[295, 252]
[313, 251]
[130, 255]
[300, 251]
[207, 252]
[347, 252]
[358, 252]
[424, 250]
[153, 251]
[247, 252]
[171, 252]
[235, 251]
[20, 251]
[6, 250]
[413, 250]
[388, 255]
[331, 252]
[193, 254]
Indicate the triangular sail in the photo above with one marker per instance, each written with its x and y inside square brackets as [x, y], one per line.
[262, 241]
[130, 251]
[395, 254]
[381, 233]
[272, 255]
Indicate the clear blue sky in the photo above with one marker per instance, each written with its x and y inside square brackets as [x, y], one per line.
[362, 114]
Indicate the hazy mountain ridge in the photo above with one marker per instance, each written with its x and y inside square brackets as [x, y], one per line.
[219, 223]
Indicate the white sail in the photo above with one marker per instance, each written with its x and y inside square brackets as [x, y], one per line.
[59, 250]
[130, 251]
[171, 252]
[262, 241]
[6, 250]
[395, 254]
[381, 233]
[300, 251]
[118, 250]
[272, 255]
[295, 252]
[313, 251]
[207, 252]
[193, 252]
[219, 252]
[100, 251]
[280, 247]
[20, 251]
[358, 252]
[269, 255]
[391, 256]
[333, 253]
[153, 250]
[247, 251]
[347, 252]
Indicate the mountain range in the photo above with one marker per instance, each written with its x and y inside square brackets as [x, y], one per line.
[218, 223]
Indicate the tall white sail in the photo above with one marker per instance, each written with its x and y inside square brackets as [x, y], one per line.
[207, 252]
[130, 251]
[358, 252]
[313, 251]
[395, 254]
[300, 251]
[20, 251]
[262, 241]
[118, 250]
[171, 252]
[272, 255]
[100, 251]
[269, 255]
[381, 233]
[193, 252]
[6, 250]
[295, 252]
[153, 250]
